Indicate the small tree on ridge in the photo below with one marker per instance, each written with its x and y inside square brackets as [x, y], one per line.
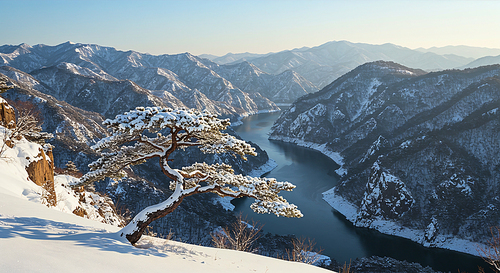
[131, 142]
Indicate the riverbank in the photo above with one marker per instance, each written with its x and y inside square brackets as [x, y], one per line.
[336, 157]
[238, 121]
[350, 211]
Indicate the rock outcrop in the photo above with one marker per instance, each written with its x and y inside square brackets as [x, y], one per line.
[7, 115]
[41, 172]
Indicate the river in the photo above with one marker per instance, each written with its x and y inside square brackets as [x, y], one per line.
[313, 173]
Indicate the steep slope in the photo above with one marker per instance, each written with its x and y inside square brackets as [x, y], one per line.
[74, 129]
[417, 148]
[323, 64]
[28, 227]
[108, 98]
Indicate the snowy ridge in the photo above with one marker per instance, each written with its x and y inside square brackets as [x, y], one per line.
[197, 83]
[434, 132]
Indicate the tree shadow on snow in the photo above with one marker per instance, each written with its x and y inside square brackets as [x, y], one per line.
[41, 229]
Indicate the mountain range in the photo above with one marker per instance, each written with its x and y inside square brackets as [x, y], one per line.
[323, 64]
[181, 80]
[418, 149]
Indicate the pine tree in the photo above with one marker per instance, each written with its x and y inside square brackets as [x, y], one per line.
[137, 136]
[71, 168]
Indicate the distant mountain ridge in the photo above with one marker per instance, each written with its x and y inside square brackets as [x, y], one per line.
[322, 64]
[465, 51]
[488, 60]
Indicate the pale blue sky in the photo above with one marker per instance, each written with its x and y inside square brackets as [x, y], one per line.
[219, 27]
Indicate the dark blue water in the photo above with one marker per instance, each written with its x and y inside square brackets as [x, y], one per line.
[313, 173]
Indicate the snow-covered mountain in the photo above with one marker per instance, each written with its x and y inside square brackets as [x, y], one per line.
[285, 87]
[75, 130]
[172, 78]
[232, 57]
[415, 148]
[323, 64]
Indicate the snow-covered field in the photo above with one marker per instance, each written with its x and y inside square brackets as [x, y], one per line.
[36, 238]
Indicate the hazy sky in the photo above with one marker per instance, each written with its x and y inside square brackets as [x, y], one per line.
[219, 27]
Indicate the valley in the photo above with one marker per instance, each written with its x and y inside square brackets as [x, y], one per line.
[409, 149]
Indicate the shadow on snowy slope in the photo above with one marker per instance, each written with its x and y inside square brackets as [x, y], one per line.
[33, 228]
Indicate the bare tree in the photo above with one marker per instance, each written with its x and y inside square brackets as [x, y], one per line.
[491, 253]
[303, 250]
[138, 135]
[240, 235]
[28, 125]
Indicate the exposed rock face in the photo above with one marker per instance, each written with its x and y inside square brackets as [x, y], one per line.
[417, 148]
[41, 172]
[7, 115]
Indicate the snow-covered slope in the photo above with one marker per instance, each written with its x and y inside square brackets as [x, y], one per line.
[39, 239]
[36, 238]
[285, 87]
[415, 148]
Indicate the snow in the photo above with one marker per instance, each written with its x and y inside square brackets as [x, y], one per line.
[225, 202]
[269, 166]
[39, 239]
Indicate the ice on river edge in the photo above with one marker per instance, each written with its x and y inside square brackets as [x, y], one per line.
[336, 157]
[350, 211]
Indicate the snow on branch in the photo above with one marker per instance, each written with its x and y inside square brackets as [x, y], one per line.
[145, 133]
